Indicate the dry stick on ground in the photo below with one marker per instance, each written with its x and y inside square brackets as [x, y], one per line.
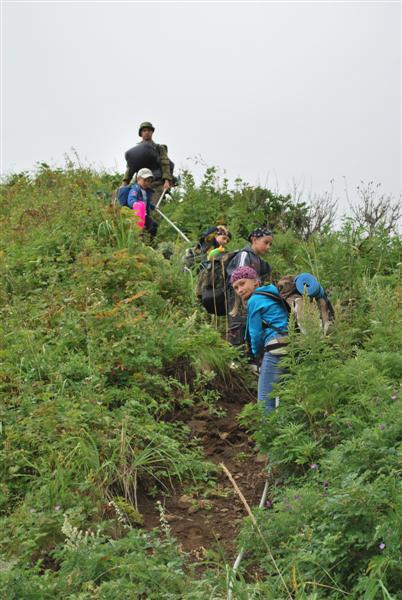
[254, 522]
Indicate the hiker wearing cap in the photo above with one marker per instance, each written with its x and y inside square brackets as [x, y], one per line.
[260, 241]
[155, 157]
[267, 327]
[139, 200]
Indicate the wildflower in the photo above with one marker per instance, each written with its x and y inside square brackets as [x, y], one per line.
[57, 507]
[297, 497]
[32, 510]
[381, 546]
[381, 426]
[314, 466]
[394, 397]
[268, 504]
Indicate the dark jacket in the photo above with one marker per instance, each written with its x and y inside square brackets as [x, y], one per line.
[247, 258]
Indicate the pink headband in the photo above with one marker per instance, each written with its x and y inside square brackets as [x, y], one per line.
[243, 273]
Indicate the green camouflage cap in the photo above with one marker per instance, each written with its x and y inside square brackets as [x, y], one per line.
[145, 124]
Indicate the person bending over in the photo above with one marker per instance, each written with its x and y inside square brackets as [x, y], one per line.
[267, 327]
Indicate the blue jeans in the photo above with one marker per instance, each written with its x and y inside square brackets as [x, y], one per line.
[269, 374]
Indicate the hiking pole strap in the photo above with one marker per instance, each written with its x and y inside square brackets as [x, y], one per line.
[185, 238]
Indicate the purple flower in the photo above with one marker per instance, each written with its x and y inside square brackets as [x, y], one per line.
[314, 466]
[381, 546]
[268, 504]
[297, 497]
[381, 426]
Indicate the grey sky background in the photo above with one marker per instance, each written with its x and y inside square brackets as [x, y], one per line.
[270, 92]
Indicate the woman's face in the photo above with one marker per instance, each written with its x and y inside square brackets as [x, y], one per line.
[245, 287]
[262, 244]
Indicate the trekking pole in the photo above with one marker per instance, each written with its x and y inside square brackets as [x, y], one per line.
[241, 553]
[161, 198]
[185, 238]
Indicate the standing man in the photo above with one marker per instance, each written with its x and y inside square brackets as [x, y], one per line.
[148, 154]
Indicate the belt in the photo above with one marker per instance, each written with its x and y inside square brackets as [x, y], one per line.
[278, 343]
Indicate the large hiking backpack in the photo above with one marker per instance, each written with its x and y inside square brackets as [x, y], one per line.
[147, 155]
[212, 288]
[292, 288]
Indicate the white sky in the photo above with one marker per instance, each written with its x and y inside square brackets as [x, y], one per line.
[271, 92]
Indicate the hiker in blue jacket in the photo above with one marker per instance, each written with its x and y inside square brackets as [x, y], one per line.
[267, 327]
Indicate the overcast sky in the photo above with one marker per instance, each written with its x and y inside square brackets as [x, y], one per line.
[271, 92]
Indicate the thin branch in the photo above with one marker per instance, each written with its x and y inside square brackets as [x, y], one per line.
[254, 522]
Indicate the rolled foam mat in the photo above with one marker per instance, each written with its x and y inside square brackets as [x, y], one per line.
[306, 280]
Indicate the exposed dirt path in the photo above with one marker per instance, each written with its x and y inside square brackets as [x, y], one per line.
[212, 521]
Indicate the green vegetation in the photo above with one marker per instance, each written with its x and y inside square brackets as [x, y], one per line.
[103, 346]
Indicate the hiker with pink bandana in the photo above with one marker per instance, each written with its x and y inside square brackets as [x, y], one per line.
[266, 328]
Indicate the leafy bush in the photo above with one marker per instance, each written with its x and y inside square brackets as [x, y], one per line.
[104, 345]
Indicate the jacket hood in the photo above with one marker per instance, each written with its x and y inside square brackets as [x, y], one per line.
[271, 288]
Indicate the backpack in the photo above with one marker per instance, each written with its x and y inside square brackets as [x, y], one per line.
[122, 194]
[212, 288]
[147, 154]
[291, 291]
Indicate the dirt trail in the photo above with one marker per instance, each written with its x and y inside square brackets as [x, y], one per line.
[201, 523]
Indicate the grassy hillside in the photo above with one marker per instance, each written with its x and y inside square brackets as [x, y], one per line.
[106, 358]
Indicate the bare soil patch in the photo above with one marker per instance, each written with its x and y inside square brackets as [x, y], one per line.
[212, 521]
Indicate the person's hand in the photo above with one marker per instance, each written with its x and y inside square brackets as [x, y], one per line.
[167, 185]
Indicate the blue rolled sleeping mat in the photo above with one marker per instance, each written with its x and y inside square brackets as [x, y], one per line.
[306, 281]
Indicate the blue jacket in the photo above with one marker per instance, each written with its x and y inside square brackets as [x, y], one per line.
[264, 309]
[135, 195]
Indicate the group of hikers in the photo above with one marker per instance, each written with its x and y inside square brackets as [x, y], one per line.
[236, 284]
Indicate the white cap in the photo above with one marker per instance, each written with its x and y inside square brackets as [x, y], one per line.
[145, 173]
